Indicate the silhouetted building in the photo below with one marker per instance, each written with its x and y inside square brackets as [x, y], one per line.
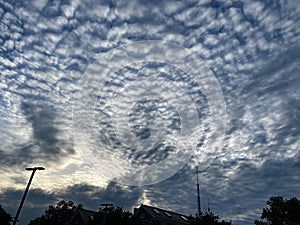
[82, 217]
[149, 215]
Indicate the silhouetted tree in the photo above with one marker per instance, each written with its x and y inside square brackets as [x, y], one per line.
[113, 216]
[61, 213]
[208, 218]
[5, 218]
[280, 212]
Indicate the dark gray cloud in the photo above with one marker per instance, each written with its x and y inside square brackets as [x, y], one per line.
[46, 129]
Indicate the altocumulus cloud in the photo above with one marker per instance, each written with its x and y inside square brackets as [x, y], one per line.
[252, 49]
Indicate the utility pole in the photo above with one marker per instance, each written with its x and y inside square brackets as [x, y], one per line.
[208, 207]
[198, 192]
[105, 211]
[26, 191]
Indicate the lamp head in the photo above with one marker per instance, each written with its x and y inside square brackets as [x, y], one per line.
[35, 168]
[39, 168]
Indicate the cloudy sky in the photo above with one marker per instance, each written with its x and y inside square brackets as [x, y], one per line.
[121, 100]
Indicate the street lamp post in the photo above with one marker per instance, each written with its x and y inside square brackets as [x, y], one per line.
[105, 211]
[33, 169]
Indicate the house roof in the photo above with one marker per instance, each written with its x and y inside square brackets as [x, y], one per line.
[84, 214]
[163, 215]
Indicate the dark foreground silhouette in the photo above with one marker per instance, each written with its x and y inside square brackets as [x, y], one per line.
[69, 213]
[279, 211]
[5, 218]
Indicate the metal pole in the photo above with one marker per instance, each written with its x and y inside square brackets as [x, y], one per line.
[198, 193]
[26, 191]
[105, 209]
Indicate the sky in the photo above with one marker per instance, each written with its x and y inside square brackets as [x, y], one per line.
[121, 101]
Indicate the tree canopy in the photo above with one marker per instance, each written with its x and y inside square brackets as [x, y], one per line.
[61, 213]
[280, 211]
[112, 216]
[208, 218]
[5, 218]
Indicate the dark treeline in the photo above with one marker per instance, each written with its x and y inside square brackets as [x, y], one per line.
[5, 218]
[279, 211]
